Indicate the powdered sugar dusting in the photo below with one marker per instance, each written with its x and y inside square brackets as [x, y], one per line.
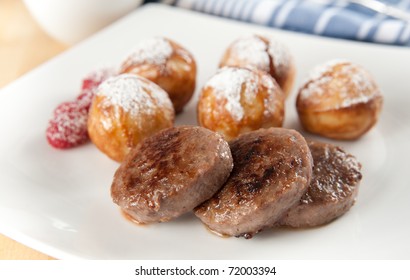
[99, 75]
[314, 87]
[152, 51]
[228, 84]
[354, 85]
[362, 82]
[134, 94]
[268, 83]
[91, 82]
[272, 99]
[280, 56]
[68, 127]
[321, 70]
[251, 50]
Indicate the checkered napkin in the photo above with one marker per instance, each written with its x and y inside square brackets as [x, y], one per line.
[340, 19]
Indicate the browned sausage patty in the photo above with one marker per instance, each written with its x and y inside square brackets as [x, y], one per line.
[170, 173]
[332, 191]
[272, 170]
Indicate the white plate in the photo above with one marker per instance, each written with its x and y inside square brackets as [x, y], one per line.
[58, 202]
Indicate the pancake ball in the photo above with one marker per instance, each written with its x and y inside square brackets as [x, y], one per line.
[125, 110]
[264, 53]
[339, 100]
[238, 100]
[167, 64]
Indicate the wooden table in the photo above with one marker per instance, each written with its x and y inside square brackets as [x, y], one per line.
[23, 46]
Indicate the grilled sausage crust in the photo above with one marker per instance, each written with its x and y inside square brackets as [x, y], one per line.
[272, 170]
[332, 191]
[170, 173]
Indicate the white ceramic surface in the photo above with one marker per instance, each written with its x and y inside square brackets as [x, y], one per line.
[70, 21]
[58, 201]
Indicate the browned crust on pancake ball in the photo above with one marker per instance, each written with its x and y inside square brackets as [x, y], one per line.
[257, 103]
[340, 101]
[279, 62]
[177, 75]
[115, 127]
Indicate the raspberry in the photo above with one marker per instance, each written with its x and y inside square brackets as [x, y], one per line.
[68, 127]
[95, 78]
[90, 85]
[85, 98]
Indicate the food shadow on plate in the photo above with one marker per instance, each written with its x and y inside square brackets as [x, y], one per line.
[189, 115]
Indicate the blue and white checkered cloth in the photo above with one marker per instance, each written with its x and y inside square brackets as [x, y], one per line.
[340, 19]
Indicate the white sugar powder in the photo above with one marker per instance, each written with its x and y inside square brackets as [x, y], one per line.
[101, 74]
[153, 51]
[320, 70]
[280, 56]
[272, 94]
[315, 87]
[133, 94]
[252, 50]
[228, 84]
[362, 82]
[347, 72]
[256, 52]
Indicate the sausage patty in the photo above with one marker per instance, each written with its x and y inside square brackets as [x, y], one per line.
[332, 191]
[170, 173]
[272, 170]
